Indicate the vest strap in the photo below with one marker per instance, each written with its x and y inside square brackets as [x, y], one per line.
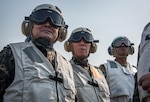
[55, 78]
[93, 84]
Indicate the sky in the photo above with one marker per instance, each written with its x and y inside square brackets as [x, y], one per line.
[107, 19]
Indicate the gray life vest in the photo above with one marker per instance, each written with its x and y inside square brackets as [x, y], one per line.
[121, 82]
[90, 88]
[35, 78]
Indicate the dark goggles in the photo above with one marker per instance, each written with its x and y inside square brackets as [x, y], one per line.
[77, 36]
[118, 43]
[40, 16]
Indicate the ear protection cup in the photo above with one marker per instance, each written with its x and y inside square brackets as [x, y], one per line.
[26, 28]
[93, 48]
[62, 34]
[131, 52]
[110, 50]
[67, 46]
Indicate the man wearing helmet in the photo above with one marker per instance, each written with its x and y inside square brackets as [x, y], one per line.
[90, 82]
[119, 73]
[34, 71]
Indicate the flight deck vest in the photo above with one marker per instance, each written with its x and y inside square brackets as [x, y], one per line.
[119, 80]
[36, 80]
[92, 88]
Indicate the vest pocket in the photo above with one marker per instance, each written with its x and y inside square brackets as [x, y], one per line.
[37, 85]
[40, 92]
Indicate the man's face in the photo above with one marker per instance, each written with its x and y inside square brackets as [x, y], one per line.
[81, 49]
[122, 50]
[46, 31]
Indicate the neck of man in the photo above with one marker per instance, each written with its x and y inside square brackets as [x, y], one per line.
[81, 62]
[122, 61]
[44, 43]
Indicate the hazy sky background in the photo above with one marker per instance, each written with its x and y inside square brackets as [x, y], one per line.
[106, 19]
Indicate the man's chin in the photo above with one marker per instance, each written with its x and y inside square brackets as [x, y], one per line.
[47, 38]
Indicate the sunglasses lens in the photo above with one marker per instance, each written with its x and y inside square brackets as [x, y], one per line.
[77, 36]
[118, 43]
[41, 16]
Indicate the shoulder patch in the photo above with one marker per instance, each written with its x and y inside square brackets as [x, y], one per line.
[113, 64]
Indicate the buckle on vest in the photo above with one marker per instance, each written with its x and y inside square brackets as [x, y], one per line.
[93, 84]
[56, 78]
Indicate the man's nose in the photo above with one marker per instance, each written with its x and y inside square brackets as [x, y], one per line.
[123, 45]
[82, 41]
[47, 23]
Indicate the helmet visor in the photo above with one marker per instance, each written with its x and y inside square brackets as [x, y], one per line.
[77, 36]
[41, 16]
[119, 42]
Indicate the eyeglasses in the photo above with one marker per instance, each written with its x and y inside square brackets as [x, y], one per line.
[77, 36]
[119, 42]
[40, 16]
